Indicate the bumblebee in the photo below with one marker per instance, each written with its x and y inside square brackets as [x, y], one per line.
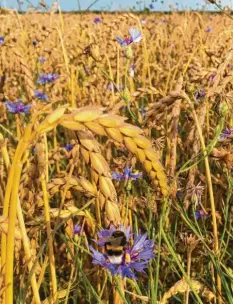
[114, 246]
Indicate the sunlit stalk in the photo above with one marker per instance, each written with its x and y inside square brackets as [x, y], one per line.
[48, 226]
[26, 242]
[11, 234]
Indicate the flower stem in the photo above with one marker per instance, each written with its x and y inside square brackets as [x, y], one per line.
[118, 291]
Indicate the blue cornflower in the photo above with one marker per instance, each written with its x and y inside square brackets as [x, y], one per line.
[77, 229]
[41, 59]
[200, 214]
[41, 95]
[69, 147]
[135, 34]
[111, 87]
[47, 78]
[208, 29]
[2, 39]
[97, 20]
[135, 37]
[135, 256]
[126, 175]
[17, 107]
[226, 133]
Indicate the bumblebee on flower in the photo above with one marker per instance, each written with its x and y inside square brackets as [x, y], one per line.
[121, 257]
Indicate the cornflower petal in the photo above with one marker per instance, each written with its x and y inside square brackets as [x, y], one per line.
[47, 78]
[126, 272]
[17, 107]
[135, 34]
[2, 40]
[41, 95]
[77, 229]
[98, 257]
[26, 108]
[117, 176]
[139, 242]
[135, 176]
[121, 41]
[139, 266]
[146, 254]
[69, 147]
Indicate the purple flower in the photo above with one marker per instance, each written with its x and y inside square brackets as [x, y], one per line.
[69, 147]
[2, 39]
[135, 256]
[97, 20]
[208, 29]
[135, 34]
[151, 6]
[126, 175]
[135, 37]
[17, 107]
[77, 229]
[164, 21]
[111, 87]
[226, 133]
[41, 59]
[47, 78]
[41, 95]
[200, 214]
[199, 94]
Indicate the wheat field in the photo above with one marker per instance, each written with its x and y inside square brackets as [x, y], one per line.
[116, 122]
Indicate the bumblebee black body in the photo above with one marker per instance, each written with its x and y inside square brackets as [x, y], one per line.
[115, 245]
